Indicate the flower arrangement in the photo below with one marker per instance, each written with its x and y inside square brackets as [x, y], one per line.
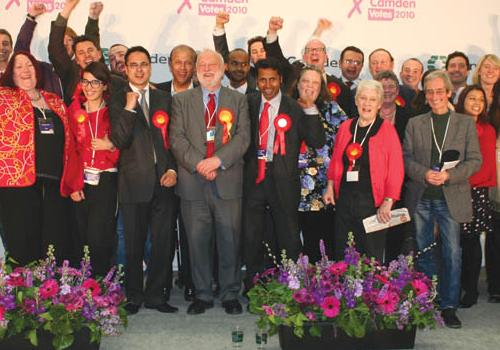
[59, 300]
[357, 295]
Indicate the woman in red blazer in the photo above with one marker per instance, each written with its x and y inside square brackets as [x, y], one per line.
[365, 173]
[94, 165]
[35, 143]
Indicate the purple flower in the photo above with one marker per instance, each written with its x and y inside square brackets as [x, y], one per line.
[8, 302]
[279, 310]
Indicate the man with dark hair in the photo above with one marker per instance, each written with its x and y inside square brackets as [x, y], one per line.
[117, 59]
[271, 178]
[5, 49]
[146, 177]
[351, 64]
[237, 69]
[457, 66]
[181, 63]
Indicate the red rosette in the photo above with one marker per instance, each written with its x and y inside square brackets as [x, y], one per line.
[282, 123]
[400, 101]
[81, 116]
[226, 118]
[334, 89]
[354, 151]
[160, 120]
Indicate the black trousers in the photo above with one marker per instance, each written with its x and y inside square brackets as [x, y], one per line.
[159, 215]
[96, 222]
[257, 205]
[316, 226]
[34, 217]
[351, 209]
[493, 257]
[472, 256]
[184, 267]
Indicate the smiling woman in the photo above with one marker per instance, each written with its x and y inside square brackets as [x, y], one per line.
[34, 144]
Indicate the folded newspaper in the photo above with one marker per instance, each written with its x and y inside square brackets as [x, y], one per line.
[398, 217]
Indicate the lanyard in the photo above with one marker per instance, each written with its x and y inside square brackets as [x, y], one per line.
[42, 111]
[94, 136]
[364, 138]
[440, 149]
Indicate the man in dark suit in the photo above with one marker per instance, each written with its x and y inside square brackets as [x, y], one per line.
[315, 55]
[271, 179]
[237, 70]
[147, 174]
[210, 134]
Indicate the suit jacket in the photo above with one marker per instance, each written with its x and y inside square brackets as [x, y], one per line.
[462, 136]
[285, 170]
[291, 73]
[131, 133]
[188, 137]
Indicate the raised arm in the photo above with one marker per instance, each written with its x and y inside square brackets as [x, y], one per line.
[219, 34]
[23, 41]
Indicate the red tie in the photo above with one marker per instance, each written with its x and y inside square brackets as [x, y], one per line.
[263, 132]
[210, 124]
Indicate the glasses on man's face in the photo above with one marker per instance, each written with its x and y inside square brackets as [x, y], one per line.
[315, 49]
[134, 66]
[93, 83]
[353, 62]
[437, 92]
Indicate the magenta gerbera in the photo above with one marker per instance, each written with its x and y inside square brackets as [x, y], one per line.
[420, 287]
[338, 268]
[387, 302]
[330, 306]
[49, 289]
[92, 285]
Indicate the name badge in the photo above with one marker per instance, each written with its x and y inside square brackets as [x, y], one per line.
[352, 176]
[211, 134]
[91, 176]
[262, 154]
[46, 126]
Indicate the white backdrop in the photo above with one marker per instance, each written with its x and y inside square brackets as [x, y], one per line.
[427, 29]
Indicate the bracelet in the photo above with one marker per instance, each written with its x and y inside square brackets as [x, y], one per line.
[33, 18]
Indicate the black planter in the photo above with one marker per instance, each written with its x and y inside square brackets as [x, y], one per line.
[81, 342]
[331, 339]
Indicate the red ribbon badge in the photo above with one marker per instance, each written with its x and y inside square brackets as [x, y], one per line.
[400, 101]
[226, 118]
[353, 152]
[282, 123]
[160, 120]
[81, 117]
[334, 89]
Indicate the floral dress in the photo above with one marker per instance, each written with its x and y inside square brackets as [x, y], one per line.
[313, 162]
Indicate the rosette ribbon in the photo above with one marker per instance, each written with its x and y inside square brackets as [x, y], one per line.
[400, 101]
[282, 123]
[226, 118]
[334, 89]
[160, 120]
[81, 117]
[353, 152]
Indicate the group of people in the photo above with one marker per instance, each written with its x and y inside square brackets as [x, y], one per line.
[284, 154]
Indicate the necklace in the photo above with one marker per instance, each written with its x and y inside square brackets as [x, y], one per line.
[36, 99]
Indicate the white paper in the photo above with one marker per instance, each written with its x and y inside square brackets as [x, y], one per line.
[398, 217]
[449, 165]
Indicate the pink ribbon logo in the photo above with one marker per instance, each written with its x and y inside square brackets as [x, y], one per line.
[12, 2]
[184, 4]
[356, 7]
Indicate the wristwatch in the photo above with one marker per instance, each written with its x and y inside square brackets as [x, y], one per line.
[387, 199]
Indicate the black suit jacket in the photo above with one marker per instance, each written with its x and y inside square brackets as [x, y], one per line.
[291, 73]
[285, 171]
[136, 139]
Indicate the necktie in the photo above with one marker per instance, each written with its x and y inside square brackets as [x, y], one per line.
[144, 105]
[263, 132]
[210, 125]
[349, 83]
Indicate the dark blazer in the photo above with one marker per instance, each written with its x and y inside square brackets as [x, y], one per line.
[188, 136]
[135, 138]
[462, 136]
[285, 170]
[291, 73]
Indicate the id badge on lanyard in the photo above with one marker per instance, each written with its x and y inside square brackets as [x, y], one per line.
[91, 176]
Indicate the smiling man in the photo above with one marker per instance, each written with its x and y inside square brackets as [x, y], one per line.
[411, 73]
[457, 66]
[437, 195]
[5, 49]
[271, 176]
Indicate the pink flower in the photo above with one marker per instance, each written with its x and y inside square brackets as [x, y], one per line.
[268, 310]
[310, 316]
[92, 285]
[16, 279]
[76, 305]
[2, 313]
[330, 306]
[420, 287]
[387, 302]
[338, 268]
[48, 289]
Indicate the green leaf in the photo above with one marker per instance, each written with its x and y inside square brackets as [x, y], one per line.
[315, 331]
[61, 342]
[33, 337]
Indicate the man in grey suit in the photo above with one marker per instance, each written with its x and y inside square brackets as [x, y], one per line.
[210, 133]
[437, 195]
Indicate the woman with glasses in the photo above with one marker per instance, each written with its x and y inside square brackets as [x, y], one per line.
[35, 143]
[93, 166]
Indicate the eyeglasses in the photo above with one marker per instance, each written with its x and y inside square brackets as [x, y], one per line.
[437, 92]
[353, 62]
[93, 83]
[314, 49]
[142, 65]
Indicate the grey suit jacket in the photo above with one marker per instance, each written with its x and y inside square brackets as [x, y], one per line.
[417, 149]
[188, 139]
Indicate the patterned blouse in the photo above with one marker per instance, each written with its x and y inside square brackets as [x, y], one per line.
[313, 163]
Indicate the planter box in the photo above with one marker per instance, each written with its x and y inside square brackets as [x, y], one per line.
[81, 342]
[377, 340]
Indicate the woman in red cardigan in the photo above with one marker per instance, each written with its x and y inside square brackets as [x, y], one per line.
[94, 164]
[472, 101]
[34, 146]
[365, 173]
